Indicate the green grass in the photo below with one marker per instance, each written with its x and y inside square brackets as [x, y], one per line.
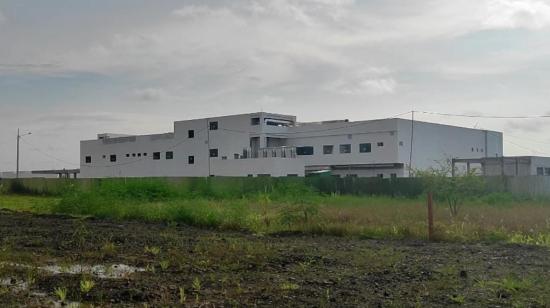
[294, 207]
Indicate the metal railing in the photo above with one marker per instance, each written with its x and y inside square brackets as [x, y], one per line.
[271, 152]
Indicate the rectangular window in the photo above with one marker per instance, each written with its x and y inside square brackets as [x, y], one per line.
[127, 155]
[88, 159]
[547, 171]
[292, 175]
[133, 154]
[255, 121]
[214, 125]
[328, 149]
[191, 160]
[308, 150]
[144, 154]
[169, 155]
[213, 152]
[345, 148]
[139, 154]
[380, 144]
[191, 133]
[540, 171]
[236, 156]
[380, 175]
[400, 143]
[264, 175]
[156, 155]
[224, 157]
[365, 148]
[104, 156]
[112, 158]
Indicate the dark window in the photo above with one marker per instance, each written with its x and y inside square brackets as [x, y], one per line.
[139, 154]
[380, 175]
[144, 154]
[393, 175]
[250, 175]
[365, 148]
[113, 158]
[191, 160]
[224, 157]
[264, 175]
[380, 144]
[540, 171]
[328, 149]
[255, 121]
[133, 154]
[345, 148]
[304, 150]
[213, 152]
[547, 171]
[156, 155]
[214, 125]
[351, 175]
[104, 156]
[236, 156]
[169, 155]
[127, 155]
[88, 159]
[191, 133]
[401, 143]
[292, 175]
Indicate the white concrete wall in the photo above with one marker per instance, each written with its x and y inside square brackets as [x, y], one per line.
[274, 167]
[434, 143]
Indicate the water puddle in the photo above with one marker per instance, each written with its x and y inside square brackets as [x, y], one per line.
[100, 271]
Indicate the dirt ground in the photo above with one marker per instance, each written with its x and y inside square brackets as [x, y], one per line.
[44, 259]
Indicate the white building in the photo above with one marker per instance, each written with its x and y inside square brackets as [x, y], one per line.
[507, 166]
[266, 144]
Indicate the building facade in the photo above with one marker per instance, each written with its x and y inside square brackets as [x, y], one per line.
[267, 144]
[506, 166]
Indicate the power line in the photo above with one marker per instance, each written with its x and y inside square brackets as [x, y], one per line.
[483, 116]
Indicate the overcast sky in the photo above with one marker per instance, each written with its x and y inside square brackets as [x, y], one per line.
[72, 69]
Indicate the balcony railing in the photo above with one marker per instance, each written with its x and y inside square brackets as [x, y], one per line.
[282, 152]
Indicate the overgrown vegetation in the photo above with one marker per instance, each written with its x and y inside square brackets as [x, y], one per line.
[464, 212]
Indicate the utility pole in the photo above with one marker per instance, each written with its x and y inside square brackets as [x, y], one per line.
[412, 141]
[17, 163]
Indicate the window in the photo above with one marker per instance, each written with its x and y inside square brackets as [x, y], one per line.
[139, 154]
[88, 159]
[264, 175]
[191, 133]
[104, 156]
[169, 155]
[365, 148]
[292, 175]
[112, 158]
[236, 156]
[547, 171]
[328, 149]
[380, 144]
[156, 155]
[380, 175]
[540, 171]
[224, 157]
[400, 143]
[214, 125]
[213, 152]
[393, 175]
[255, 121]
[307, 150]
[191, 160]
[144, 154]
[133, 154]
[250, 175]
[127, 155]
[345, 148]
[472, 149]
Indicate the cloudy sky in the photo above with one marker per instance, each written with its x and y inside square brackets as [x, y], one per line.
[72, 69]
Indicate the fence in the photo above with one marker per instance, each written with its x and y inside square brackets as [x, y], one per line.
[238, 186]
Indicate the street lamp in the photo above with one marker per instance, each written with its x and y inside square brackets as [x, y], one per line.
[19, 138]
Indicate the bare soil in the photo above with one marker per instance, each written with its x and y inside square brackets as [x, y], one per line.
[156, 265]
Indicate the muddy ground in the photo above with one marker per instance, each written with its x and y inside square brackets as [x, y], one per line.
[44, 259]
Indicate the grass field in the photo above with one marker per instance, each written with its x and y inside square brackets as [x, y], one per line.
[294, 208]
[148, 243]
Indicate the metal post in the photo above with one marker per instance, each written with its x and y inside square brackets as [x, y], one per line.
[17, 163]
[430, 217]
[412, 140]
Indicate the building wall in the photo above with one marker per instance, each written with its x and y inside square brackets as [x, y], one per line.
[258, 166]
[433, 144]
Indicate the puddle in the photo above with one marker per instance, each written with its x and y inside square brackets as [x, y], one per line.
[99, 271]
[15, 285]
